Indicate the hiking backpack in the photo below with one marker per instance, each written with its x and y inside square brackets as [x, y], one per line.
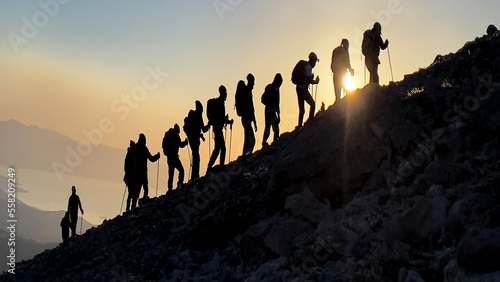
[189, 126]
[299, 72]
[167, 141]
[212, 110]
[367, 45]
[266, 95]
[239, 103]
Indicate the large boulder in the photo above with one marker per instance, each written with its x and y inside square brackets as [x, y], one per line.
[478, 250]
[336, 164]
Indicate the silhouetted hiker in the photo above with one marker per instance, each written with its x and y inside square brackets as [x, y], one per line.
[130, 178]
[171, 144]
[73, 205]
[217, 118]
[491, 30]
[302, 76]
[65, 225]
[372, 43]
[142, 156]
[245, 109]
[193, 127]
[340, 64]
[271, 99]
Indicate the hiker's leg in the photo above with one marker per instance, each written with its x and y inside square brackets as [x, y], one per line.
[267, 129]
[337, 85]
[195, 148]
[301, 105]
[171, 170]
[312, 104]
[179, 167]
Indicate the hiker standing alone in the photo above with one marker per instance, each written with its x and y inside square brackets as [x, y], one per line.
[171, 144]
[340, 64]
[245, 109]
[142, 156]
[271, 99]
[73, 205]
[372, 43]
[302, 76]
[194, 129]
[217, 118]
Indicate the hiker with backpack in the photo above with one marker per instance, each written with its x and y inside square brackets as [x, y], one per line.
[73, 205]
[217, 119]
[171, 144]
[340, 64]
[142, 155]
[245, 109]
[372, 43]
[194, 129]
[302, 76]
[130, 178]
[271, 99]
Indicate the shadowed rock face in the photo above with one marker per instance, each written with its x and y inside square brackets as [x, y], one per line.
[339, 150]
[392, 183]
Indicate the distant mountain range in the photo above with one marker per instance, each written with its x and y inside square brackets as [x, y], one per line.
[31, 147]
[36, 230]
[34, 224]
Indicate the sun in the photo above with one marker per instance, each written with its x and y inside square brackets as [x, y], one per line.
[348, 84]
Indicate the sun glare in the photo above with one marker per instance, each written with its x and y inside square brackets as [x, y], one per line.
[348, 83]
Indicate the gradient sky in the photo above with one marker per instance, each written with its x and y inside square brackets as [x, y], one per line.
[72, 69]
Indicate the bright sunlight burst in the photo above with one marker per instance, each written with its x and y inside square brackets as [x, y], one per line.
[348, 83]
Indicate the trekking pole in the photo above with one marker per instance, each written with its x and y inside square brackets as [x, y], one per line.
[209, 142]
[390, 64]
[365, 75]
[157, 177]
[316, 95]
[230, 142]
[190, 162]
[225, 134]
[81, 224]
[121, 207]
[312, 92]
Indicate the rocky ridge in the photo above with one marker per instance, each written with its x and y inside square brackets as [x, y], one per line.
[394, 183]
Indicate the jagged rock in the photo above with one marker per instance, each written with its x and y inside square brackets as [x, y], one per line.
[270, 271]
[408, 275]
[342, 168]
[475, 208]
[280, 237]
[420, 220]
[478, 250]
[454, 272]
[306, 205]
[334, 238]
[434, 191]
[443, 173]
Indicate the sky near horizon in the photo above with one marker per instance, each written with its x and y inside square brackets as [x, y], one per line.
[126, 67]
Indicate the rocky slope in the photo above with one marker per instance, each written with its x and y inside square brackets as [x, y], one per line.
[395, 183]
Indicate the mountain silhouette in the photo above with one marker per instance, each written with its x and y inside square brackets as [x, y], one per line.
[31, 147]
[398, 182]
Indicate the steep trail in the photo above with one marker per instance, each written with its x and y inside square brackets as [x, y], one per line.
[393, 182]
